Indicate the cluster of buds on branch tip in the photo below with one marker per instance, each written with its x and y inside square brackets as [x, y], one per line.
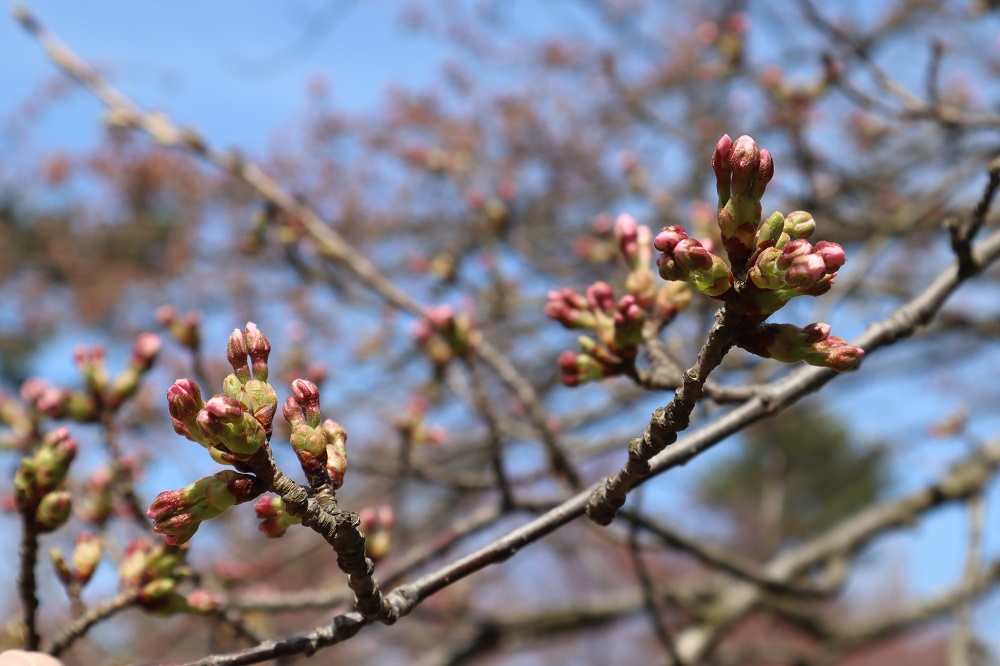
[769, 263]
[445, 335]
[177, 514]
[617, 324]
[87, 552]
[99, 396]
[154, 572]
[321, 446]
[235, 426]
[39, 482]
[274, 520]
[185, 330]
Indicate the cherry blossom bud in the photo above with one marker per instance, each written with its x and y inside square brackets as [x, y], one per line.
[601, 297]
[144, 351]
[744, 161]
[44, 472]
[689, 261]
[177, 514]
[275, 521]
[569, 308]
[629, 318]
[258, 348]
[236, 354]
[769, 232]
[184, 402]
[723, 172]
[53, 510]
[832, 254]
[87, 553]
[668, 238]
[765, 172]
[336, 452]
[812, 344]
[800, 224]
[224, 419]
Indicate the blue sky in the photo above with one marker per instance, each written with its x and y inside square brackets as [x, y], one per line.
[201, 62]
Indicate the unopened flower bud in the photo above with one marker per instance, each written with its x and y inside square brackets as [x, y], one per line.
[765, 172]
[53, 511]
[769, 232]
[275, 521]
[177, 514]
[744, 160]
[812, 344]
[236, 354]
[723, 172]
[258, 348]
[336, 452]
[601, 297]
[800, 224]
[224, 419]
[87, 553]
[569, 308]
[668, 238]
[303, 404]
[832, 254]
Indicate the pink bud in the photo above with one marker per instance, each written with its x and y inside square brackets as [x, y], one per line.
[805, 271]
[817, 332]
[601, 297]
[668, 238]
[567, 362]
[833, 255]
[692, 255]
[796, 248]
[745, 155]
[236, 354]
[184, 399]
[258, 348]
[720, 159]
[147, 346]
[223, 407]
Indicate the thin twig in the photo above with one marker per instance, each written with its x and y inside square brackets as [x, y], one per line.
[81, 625]
[648, 593]
[27, 584]
[961, 638]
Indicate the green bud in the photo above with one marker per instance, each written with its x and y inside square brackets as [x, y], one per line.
[54, 509]
[769, 232]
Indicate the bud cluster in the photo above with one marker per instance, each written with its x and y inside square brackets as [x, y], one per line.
[321, 446]
[445, 335]
[177, 514]
[274, 520]
[184, 329]
[377, 525]
[99, 394]
[235, 426]
[770, 262]
[39, 482]
[154, 573]
[813, 344]
[87, 552]
[617, 324]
